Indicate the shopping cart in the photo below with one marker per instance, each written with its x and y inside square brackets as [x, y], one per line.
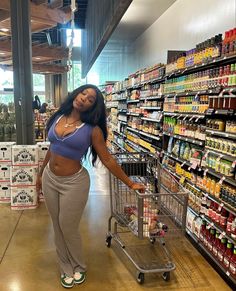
[158, 214]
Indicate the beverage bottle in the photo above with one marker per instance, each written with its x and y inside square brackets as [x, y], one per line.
[229, 222]
[210, 239]
[218, 212]
[233, 229]
[213, 211]
[206, 237]
[231, 41]
[221, 250]
[216, 244]
[225, 44]
[210, 209]
[223, 218]
[227, 255]
[217, 190]
[202, 231]
[232, 264]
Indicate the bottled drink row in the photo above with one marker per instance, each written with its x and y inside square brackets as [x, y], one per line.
[188, 104]
[205, 52]
[221, 125]
[184, 127]
[224, 76]
[222, 145]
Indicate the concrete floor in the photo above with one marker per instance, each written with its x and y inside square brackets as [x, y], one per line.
[28, 259]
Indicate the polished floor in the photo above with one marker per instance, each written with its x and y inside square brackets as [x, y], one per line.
[28, 259]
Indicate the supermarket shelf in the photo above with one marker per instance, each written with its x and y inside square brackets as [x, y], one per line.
[152, 97]
[202, 66]
[119, 146]
[177, 159]
[222, 134]
[136, 147]
[119, 133]
[193, 211]
[151, 119]
[200, 244]
[132, 129]
[150, 108]
[191, 115]
[220, 176]
[133, 101]
[220, 229]
[193, 93]
[213, 151]
[150, 135]
[122, 111]
[188, 139]
[122, 122]
[133, 114]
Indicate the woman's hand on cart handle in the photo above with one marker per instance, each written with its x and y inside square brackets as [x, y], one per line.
[137, 186]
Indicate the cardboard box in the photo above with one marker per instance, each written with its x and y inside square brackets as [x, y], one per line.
[24, 155]
[42, 150]
[4, 172]
[6, 151]
[23, 175]
[24, 198]
[5, 192]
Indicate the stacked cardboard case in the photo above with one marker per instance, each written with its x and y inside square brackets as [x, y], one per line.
[5, 166]
[19, 165]
[23, 177]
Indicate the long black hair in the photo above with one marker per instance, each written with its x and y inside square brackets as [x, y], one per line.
[96, 115]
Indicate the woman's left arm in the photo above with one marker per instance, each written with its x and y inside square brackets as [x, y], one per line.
[109, 162]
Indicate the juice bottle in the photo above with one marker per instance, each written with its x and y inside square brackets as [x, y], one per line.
[221, 250]
[212, 187]
[232, 264]
[217, 190]
[216, 244]
[206, 237]
[211, 239]
[223, 218]
[228, 254]
[218, 212]
[229, 222]
[202, 231]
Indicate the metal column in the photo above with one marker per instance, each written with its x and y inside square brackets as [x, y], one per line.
[22, 67]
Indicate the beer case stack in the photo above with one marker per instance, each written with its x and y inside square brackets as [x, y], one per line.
[42, 151]
[23, 174]
[5, 166]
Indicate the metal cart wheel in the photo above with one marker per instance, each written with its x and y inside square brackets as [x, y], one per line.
[108, 241]
[166, 276]
[140, 278]
[152, 240]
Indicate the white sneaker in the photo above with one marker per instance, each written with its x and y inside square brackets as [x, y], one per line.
[66, 281]
[79, 277]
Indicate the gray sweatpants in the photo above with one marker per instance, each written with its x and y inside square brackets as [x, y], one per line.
[65, 198]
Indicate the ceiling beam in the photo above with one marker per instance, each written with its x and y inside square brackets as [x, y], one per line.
[50, 69]
[53, 52]
[38, 2]
[55, 4]
[42, 12]
[4, 14]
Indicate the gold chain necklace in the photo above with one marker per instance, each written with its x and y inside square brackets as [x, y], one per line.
[70, 124]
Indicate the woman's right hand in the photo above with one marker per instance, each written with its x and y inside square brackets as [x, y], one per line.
[39, 184]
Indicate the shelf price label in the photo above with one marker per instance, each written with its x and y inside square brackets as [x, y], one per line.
[182, 164]
[222, 235]
[205, 172]
[222, 180]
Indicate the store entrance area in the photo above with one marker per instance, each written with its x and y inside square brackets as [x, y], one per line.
[28, 257]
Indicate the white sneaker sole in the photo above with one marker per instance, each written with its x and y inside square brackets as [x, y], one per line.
[79, 282]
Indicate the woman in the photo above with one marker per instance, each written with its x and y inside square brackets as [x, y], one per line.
[79, 124]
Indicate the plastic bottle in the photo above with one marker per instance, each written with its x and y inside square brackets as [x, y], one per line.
[216, 244]
[227, 255]
[223, 218]
[211, 239]
[202, 231]
[232, 264]
[221, 250]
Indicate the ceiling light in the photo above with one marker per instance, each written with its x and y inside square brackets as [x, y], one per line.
[4, 29]
[37, 58]
[2, 53]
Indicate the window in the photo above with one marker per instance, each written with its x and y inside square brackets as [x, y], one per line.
[76, 38]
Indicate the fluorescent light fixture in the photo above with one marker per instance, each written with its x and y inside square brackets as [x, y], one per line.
[2, 53]
[37, 58]
[4, 29]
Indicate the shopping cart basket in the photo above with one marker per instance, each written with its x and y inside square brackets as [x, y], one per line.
[157, 214]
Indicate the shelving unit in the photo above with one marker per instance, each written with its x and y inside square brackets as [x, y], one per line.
[183, 115]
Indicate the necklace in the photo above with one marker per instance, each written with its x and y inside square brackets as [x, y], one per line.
[70, 124]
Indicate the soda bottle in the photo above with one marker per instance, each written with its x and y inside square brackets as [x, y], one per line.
[221, 250]
[210, 239]
[202, 231]
[228, 254]
[216, 244]
[223, 218]
[232, 263]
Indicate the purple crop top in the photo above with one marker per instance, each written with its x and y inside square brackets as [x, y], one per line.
[74, 145]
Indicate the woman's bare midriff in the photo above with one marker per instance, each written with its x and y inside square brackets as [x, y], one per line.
[61, 166]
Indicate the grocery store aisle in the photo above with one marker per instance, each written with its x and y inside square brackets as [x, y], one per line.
[28, 258]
